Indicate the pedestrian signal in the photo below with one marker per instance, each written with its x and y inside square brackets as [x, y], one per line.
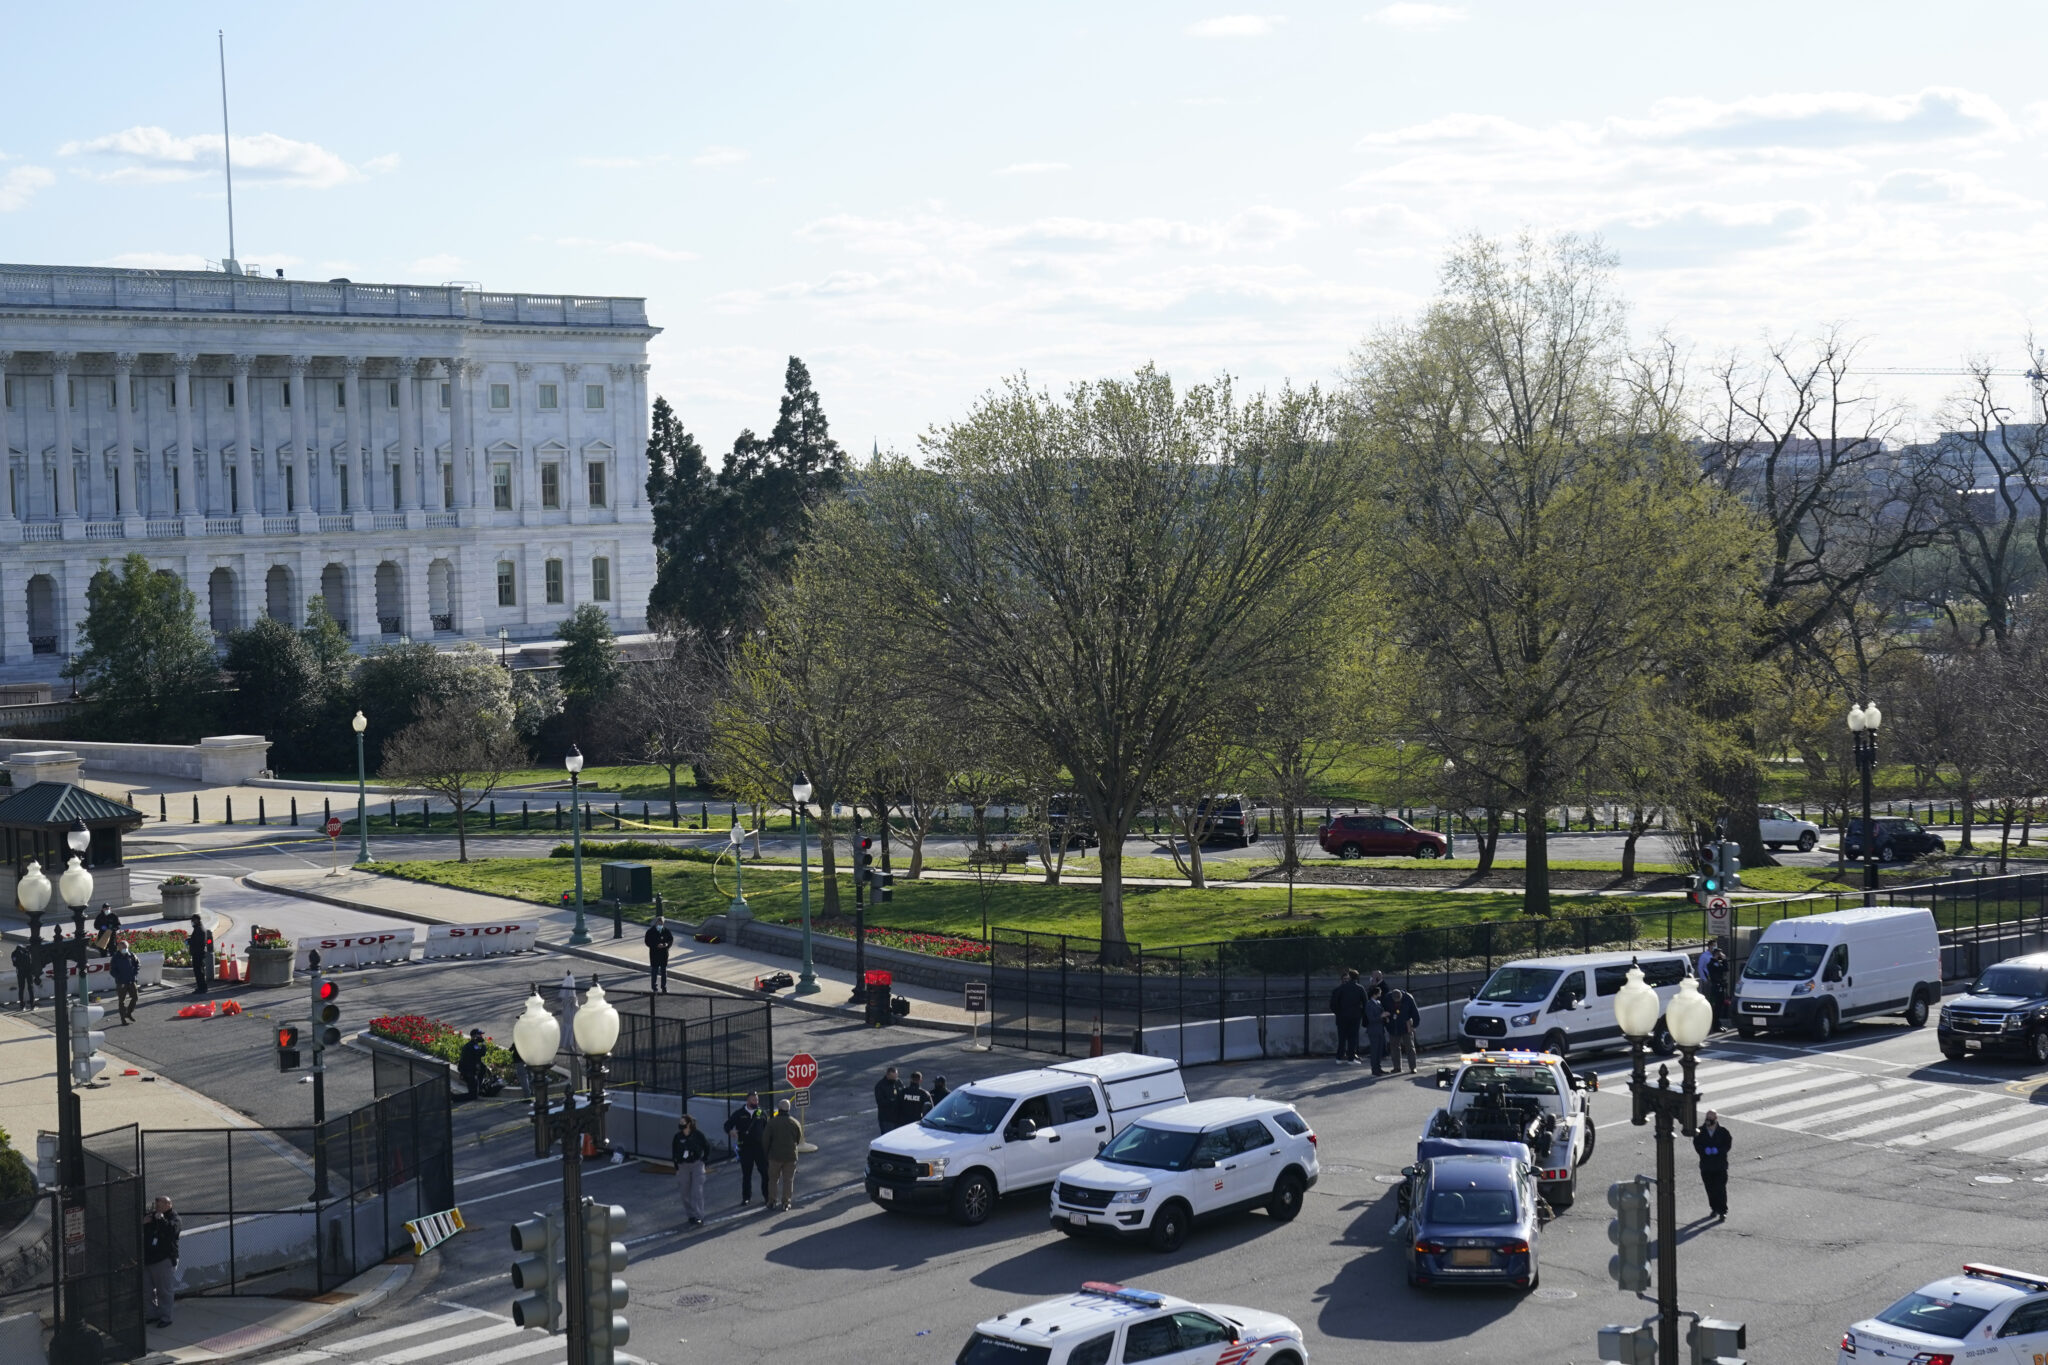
[1628, 1345]
[1713, 1340]
[604, 1227]
[86, 1043]
[1629, 1230]
[287, 1047]
[534, 1272]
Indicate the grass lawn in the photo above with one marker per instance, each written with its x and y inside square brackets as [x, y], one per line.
[634, 782]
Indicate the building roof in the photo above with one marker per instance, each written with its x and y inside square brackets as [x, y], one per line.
[47, 804]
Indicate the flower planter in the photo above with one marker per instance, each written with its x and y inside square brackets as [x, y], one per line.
[180, 902]
[270, 966]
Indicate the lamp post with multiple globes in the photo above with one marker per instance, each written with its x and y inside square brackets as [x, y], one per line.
[1863, 723]
[574, 763]
[800, 793]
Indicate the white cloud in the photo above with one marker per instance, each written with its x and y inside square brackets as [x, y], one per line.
[719, 156]
[1033, 168]
[645, 250]
[1236, 26]
[441, 267]
[154, 154]
[20, 184]
[1417, 16]
[1823, 119]
[624, 163]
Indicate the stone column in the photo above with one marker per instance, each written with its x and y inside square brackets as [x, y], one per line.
[186, 461]
[406, 497]
[352, 432]
[244, 498]
[525, 473]
[636, 432]
[615, 477]
[60, 407]
[460, 436]
[9, 532]
[124, 438]
[575, 491]
[302, 448]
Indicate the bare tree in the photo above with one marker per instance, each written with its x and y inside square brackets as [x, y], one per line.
[1210, 762]
[458, 750]
[663, 707]
[1995, 471]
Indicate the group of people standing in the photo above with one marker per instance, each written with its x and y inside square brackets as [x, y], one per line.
[122, 965]
[897, 1104]
[1387, 1015]
[764, 1143]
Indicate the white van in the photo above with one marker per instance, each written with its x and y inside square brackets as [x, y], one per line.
[1818, 971]
[1564, 1005]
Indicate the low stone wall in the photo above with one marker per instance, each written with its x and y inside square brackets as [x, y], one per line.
[222, 760]
[918, 969]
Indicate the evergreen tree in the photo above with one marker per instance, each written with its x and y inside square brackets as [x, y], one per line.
[681, 488]
[590, 658]
[277, 686]
[143, 659]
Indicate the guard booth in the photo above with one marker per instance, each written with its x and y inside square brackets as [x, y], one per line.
[35, 823]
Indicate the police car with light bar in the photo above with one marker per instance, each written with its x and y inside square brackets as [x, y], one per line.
[1108, 1322]
[1986, 1314]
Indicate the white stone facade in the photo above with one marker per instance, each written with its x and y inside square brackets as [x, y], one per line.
[440, 462]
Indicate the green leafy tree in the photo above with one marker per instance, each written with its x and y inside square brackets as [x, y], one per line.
[589, 658]
[277, 686]
[143, 659]
[328, 642]
[394, 685]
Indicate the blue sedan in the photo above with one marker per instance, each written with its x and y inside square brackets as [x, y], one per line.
[1471, 1211]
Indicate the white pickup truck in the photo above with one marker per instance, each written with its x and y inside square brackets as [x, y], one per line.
[992, 1137]
[1533, 1098]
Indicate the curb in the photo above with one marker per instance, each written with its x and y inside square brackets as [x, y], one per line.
[395, 1277]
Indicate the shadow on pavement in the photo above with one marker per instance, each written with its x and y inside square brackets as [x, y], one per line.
[1058, 1264]
[901, 1241]
[1370, 1299]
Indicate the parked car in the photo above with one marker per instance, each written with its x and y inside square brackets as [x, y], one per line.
[1898, 840]
[1189, 1163]
[1471, 1209]
[1780, 827]
[1068, 818]
[1987, 1313]
[1084, 1329]
[1816, 971]
[2006, 1011]
[1229, 818]
[1379, 836]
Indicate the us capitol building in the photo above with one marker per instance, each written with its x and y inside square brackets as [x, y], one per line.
[438, 462]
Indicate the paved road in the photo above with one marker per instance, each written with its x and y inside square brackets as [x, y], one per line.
[1862, 1169]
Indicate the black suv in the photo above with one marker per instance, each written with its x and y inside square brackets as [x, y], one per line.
[2005, 1012]
[1228, 817]
[1898, 840]
[1069, 821]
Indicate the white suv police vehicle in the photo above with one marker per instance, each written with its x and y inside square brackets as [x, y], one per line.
[1107, 1323]
[1194, 1161]
[1986, 1314]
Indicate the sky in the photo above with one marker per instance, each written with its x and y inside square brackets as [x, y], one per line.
[921, 200]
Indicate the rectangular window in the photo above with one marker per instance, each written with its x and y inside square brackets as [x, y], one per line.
[600, 579]
[71, 393]
[444, 398]
[286, 385]
[341, 393]
[447, 487]
[177, 494]
[551, 485]
[593, 395]
[501, 487]
[234, 491]
[341, 485]
[391, 393]
[231, 393]
[553, 571]
[548, 393]
[508, 595]
[596, 484]
[395, 486]
[291, 489]
[501, 395]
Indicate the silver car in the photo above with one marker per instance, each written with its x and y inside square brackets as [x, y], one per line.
[1778, 827]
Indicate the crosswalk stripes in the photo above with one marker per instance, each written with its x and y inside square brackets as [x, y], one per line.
[459, 1336]
[1842, 1104]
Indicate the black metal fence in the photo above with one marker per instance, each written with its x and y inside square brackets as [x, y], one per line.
[256, 1220]
[1269, 996]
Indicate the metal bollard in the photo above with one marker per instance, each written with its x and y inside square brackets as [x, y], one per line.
[163, 809]
[525, 816]
[195, 810]
[261, 819]
[426, 816]
[494, 815]
[231, 812]
[618, 917]
[295, 812]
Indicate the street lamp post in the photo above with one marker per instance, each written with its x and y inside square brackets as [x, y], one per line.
[78, 839]
[537, 1037]
[1688, 1019]
[800, 792]
[1401, 778]
[574, 763]
[739, 909]
[1863, 723]
[359, 724]
[504, 636]
[1450, 815]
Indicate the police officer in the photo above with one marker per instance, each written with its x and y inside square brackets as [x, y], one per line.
[1712, 1142]
[24, 960]
[124, 968]
[200, 944]
[747, 1130]
[916, 1101]
[659, 940]
[469, 1064]
[1347, 1006]
[889, 1101]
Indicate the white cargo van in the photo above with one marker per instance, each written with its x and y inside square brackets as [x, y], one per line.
[991, 1137]
[1564, 1005]
[1818, 971]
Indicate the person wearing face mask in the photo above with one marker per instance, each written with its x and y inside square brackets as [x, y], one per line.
[746, 1128]
[1712, 1142]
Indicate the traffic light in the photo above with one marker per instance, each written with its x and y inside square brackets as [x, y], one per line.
[863, 861]
[326, 1014]
[535, 1272]
[1728, 863]
[1710, 876]
[1628, 1345]
[885, 887]
[85, 1043]
[1715, 1342]
[1695, 888]
[287, 1047]
[604, 1256]
[1629, 1230]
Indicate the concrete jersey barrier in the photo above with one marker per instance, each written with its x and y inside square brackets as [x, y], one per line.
[478, 940]
[356, 950]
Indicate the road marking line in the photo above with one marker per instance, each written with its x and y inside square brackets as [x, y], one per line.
[463, 1342]
[1949, 1130]
[301, 1358]
[1771, 1111]
[543, 1184]
[1996, 1140]
[1757, 1076]
[507, 1170]
[410, 1329]
[1773, 1091]
[524, 1348]
[1900, 1120]
[1891, 1101]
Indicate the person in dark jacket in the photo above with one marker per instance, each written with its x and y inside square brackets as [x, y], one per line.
[125, 968]
[105, 925]
[1717, 983]
[1712, 1142]
[200, 944]
[917, 1101]
[691, 1151]
[939, 1090]
[889, 1101]
[160, 1261]
[1347, 1004]
[782, 1141]
[469, 1063]
[1404, 1021]
[746, 1128]
[1376, 1028]
[24, 960]
[659, 939]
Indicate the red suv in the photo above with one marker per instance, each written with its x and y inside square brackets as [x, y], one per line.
[1379, 836]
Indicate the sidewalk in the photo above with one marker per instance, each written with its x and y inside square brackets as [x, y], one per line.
[718, 965]
[207, 1327]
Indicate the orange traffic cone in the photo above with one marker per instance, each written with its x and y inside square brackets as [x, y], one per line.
[1095, 1039]
[589, 1145]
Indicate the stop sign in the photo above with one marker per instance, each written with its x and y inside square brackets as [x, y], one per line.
[334, 826]
[800, 1071]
